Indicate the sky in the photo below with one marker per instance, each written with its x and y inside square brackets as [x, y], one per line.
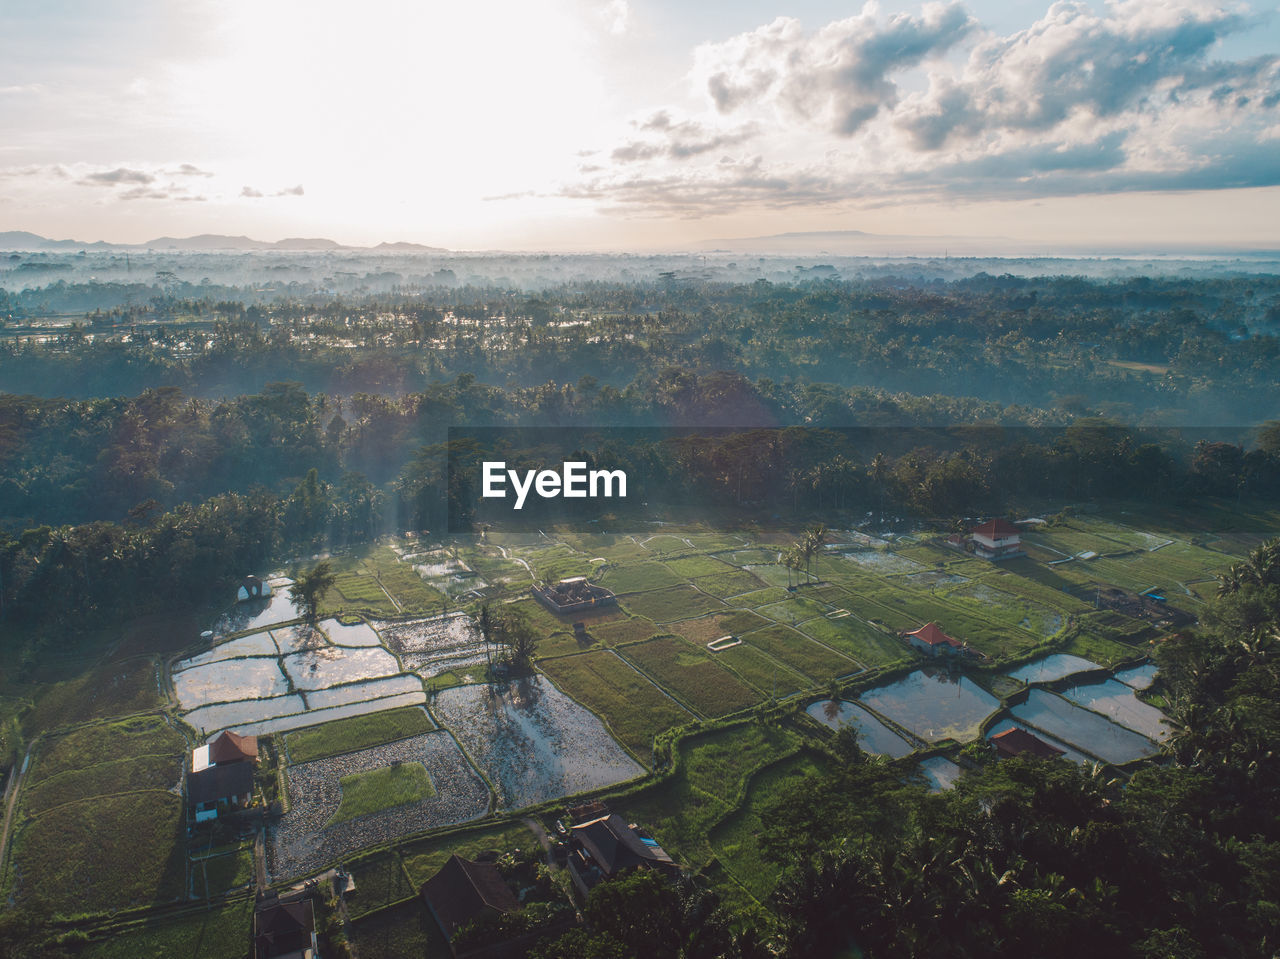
[641, 124]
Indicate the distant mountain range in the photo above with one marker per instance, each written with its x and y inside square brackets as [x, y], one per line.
[206, 242]
[858, 243]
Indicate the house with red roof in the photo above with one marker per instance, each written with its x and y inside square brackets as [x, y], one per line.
[1019, 742]
[996, 539]
[932, 641]
[222, 774]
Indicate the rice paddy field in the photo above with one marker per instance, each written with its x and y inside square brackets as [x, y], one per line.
[708, 626]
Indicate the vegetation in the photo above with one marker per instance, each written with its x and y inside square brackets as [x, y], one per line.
[309, 588]
[378, 789]
[356, 732]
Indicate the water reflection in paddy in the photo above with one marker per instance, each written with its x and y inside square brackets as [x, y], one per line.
[1139, 677]
[237, 715]
[230, 680]
[257, 613]
[1049, 668]
[941, 773]
[1121, 703]
[357, 634]
[335, 665]
[532, 741]
[1090, 732]
[316, 716]
[934, 705]
[357, 692]
[873, 735]
[256, 644]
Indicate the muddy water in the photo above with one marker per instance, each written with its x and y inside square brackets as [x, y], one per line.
[230, 680]
[257, 644]
[239, 715]
[941, 773]
[1139, 677]
[359, 634]
[532, 741]
[335, 665]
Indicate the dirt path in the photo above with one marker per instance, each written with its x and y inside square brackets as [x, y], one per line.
[10, 801]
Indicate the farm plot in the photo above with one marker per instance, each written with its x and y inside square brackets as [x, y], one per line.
[634, 709]
[358, 633]
[229, 681]
[622, 630]
[735, 839]
[873, 735]
[706, 628]
[437, 645]
[111, 689]
[1010, 609]
[692, 675]
[212, 876]
[86, 747]
[793, 611]
[532, 741]
[869, 646]
[318, 669]
[764, 673]
[358, 732]
[306, 839]
[933, 705]
[638, 577]
[801, 653]
[255, 644]
[293, 639]
[256, 614]
[102, 854]
[216, 933]
[734, 582]
[673, 604]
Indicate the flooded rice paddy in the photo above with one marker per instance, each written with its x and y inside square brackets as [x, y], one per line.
[304, 841]
[258, 644]
[228, 681]
[940, 772]
[873, 735]
[1050, 668]
[359, 692]
[883, 562]
[1120, 702]
[209, 719]
[336, 665]
[437, 645]
[258, 613]
[1139, 677]
[933, 705]
[1086, 730]
[293, 639]
[532, 741]
[358, 634]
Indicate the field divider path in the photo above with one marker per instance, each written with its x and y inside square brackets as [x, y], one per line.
[10, 801]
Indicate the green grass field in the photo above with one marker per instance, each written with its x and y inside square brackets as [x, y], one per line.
[693, 676]
[672, 604]
[103, 854]
[635, 709]
[378, 789]
[106, 690]
[735, 839]
[103, 779]
[358, 732]
[213, 876]
[403, 930]
[380, 881]
[90, 745]
[801, 653]
[219, 933]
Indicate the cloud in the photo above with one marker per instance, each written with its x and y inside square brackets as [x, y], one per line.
[616, 15]
[927, 105]
[838, 78]
[255, 194]
[117, 177]
[679, 141]
[188, 169]
[1073, 62]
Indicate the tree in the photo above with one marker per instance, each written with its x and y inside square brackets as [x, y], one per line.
[309, 590]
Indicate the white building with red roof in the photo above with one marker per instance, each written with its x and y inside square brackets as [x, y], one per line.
[996, 539]
[932, 641]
